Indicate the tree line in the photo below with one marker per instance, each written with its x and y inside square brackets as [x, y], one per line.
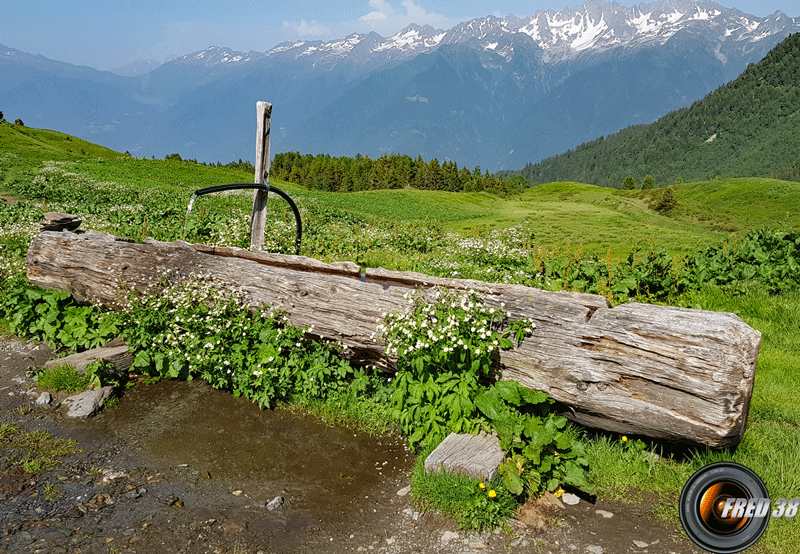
[395, 171]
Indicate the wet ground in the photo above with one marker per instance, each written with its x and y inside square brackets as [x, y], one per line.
[180, 467]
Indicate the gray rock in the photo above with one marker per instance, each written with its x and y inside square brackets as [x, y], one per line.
[404, 491]
[59, 221]
[44, 399]
[449, 536]
[594, 549]
[87, 403]
[604, 513]
[412, 514]
[276, 502]
[641, 544]
[570, 499]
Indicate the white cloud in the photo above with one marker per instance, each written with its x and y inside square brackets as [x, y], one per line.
[307, 29]
[386, 19]
[382, 12]
[414, 11]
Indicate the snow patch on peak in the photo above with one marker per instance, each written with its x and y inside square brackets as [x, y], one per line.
[644, 24]
[703, 15]
[531, 29]
[589, 34]
[411, 38]
[674, 17]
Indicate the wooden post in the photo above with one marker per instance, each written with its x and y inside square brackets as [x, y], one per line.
[258, 220]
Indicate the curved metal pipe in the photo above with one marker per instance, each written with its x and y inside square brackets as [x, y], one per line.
[267, 188]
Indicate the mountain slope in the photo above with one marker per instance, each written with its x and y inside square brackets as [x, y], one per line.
[491, 92]
[749, 127]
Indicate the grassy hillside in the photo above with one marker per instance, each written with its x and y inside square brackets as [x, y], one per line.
[566, 215]
[751, 126]
[545, 237]
[23, 147]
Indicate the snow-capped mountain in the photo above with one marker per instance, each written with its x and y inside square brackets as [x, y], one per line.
[494, 92]
[596, 26]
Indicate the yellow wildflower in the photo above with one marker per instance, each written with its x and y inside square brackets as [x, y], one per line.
[482, 485]
[492, 494]
[559, 492]
[624, 438]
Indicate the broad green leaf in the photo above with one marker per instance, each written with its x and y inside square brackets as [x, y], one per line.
[489, 403]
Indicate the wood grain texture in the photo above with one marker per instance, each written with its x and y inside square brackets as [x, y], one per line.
[671, 373]
[476, 456]
[258, 219]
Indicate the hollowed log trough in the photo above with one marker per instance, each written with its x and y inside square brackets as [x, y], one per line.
[671, 373]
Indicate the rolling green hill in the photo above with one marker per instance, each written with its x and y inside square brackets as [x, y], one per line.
[749, 127]
[543, 237]
[565, 215]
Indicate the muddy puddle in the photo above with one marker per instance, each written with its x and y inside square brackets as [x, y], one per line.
[227, 458]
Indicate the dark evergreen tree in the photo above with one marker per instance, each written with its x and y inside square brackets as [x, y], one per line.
[629, 183]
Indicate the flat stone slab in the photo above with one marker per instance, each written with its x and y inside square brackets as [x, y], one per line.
[87, 403]
[476, 456]
[117, 355]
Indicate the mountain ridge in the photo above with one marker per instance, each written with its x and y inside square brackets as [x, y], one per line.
[505, 72]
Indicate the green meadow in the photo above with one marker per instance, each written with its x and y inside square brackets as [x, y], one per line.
[571, 236]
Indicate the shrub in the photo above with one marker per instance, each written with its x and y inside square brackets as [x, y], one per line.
[666, 203]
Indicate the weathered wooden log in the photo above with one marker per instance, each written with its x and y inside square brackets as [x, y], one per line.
[672, 373]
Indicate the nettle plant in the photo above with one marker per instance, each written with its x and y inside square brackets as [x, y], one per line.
[445, 345]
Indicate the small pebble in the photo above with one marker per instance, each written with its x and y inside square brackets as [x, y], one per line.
[570, 499]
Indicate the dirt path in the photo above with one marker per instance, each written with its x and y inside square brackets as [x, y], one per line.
[179, 467]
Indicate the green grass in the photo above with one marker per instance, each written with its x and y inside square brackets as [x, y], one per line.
[63, 378]
[22, 148]
[366, 415]
[739, 204]
[564, 217]
[454, 494]
[772, 438]
[574, 216]
[33, 451]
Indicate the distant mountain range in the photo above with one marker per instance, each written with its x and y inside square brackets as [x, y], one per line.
[493, 92]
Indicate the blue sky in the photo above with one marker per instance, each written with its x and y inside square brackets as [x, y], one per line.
[105, 34]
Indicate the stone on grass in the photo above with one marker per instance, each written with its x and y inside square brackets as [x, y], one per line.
[87, 403]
